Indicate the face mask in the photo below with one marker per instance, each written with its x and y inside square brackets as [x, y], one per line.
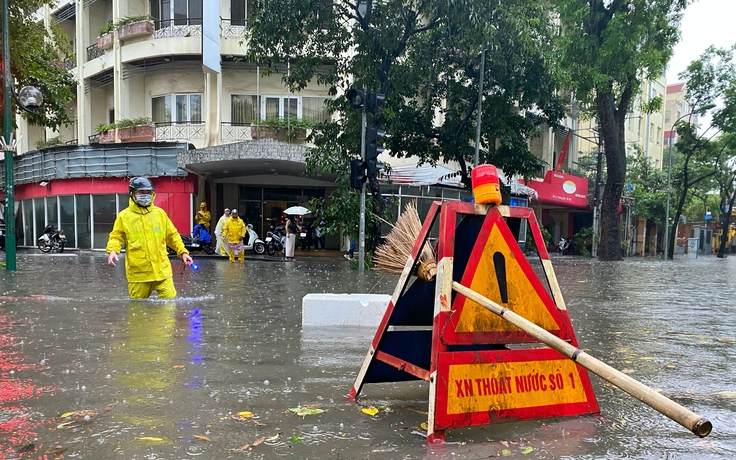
[144, 200]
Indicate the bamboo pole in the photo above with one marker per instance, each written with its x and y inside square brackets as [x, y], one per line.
[693, 422]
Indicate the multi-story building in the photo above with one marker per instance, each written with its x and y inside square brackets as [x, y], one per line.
[184, 70]
[676, 107]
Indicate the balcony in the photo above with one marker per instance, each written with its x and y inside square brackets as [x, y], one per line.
[180, 27]
[94, 51]
[235, 132]
[70, 63]
[179, 130]
[233, 28]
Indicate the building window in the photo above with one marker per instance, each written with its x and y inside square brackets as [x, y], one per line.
[177, 108]
[180, 12]
[240, 10]
[245, 109]
[659, 135]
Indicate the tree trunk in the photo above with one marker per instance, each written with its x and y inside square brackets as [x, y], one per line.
[612, 132]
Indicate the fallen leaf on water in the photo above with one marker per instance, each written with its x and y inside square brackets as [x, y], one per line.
[273, 438]
[296, 438]
[258, 441]
[505, 443]
[257, 423]
[623, 421]
[424, 426]
[505, 452]
[149, 439]
[370, 411]
[628, 361]
[670, 366]
[204, 438]
[645, 358]
[527, 450]
[727, 340]
[67, 414]
[58, 450]
[178, 366]
[244, 415]
[66, 425]
[303, 411]
[628, 371]
[241, 448]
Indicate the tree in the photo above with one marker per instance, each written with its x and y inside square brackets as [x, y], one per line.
[36, 59]
[726, 179]
[424, 55]
[608, 47]
[649, 184]
[709, 78]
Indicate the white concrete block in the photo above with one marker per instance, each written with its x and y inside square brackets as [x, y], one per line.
[343, 309]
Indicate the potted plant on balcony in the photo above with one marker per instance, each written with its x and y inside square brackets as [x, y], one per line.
[104, 41]
[135, 130]
[286, 129]
[134, 26]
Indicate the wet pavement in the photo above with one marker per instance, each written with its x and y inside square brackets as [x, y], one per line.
[179, 379]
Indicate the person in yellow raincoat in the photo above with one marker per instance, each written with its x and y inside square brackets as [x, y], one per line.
[234, 233]
[203, 216]
[145, 230]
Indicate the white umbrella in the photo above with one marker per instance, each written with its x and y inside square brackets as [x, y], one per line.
[297, 211]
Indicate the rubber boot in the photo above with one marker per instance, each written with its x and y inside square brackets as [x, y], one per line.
[232, 256]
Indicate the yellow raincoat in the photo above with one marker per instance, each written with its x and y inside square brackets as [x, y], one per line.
[203, 216]
[234, 230]
[145, 232]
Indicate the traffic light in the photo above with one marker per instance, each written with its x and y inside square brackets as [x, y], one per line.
[372, 150]
[357, 174]
[371, 99]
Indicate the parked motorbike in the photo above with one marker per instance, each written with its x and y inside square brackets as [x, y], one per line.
[275, 240]
[52, 239]
[254, 243]
[565, 246]
[199, 240]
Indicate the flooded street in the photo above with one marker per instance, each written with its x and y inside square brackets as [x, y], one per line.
[180, 379]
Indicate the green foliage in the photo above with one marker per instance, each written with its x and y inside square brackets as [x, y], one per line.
[131, 20]
[286, 123]
[530, 244]
[650, 187]
[583, 241]
[106, 29]
[34, 50]
[50, 142]
[124, 123]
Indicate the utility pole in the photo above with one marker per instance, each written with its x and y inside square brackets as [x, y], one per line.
[596, 200]
[361, 240]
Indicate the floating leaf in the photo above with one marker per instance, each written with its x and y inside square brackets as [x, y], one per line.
[623, 422]
[273, 438]
[149, 439]
[67, 425]
[505, 443]
[670, 366]
[628, 361]
[645, 358]
[725, 394]
[67, 414]
[424, 426]
[296, 438]
[204, 438]
[58, 450]
[178, 366]
[258, 441]
[370, 411]
[527, 450]
[505, 452]
[242, 416]
[303, 411]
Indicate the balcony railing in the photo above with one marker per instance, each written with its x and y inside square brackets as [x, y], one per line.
[235, 132]
[93, 51]
[180, 27]
[233, 28]
[70, 64]
[94, 139]
[179, 130]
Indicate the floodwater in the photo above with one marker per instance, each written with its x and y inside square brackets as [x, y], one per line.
[178, 379]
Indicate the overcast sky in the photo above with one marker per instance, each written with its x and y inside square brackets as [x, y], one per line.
[706, 22]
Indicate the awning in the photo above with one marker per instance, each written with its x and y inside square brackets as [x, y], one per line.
[441, 175]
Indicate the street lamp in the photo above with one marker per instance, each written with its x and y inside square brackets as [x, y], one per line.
[669, 173]
[28, 98]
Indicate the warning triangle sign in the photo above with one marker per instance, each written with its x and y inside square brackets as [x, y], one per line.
[498, 270]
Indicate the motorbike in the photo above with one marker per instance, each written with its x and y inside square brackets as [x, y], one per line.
[52, 239]
[254, 243]
[199, 240]
[565, 246]
[275, 240]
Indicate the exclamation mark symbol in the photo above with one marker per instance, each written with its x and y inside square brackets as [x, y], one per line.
[499, 263]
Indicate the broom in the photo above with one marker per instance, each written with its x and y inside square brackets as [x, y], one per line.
[391, 256]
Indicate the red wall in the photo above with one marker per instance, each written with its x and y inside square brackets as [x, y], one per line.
[173, 194]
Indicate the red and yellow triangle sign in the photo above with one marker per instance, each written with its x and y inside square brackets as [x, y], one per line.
[498, 270]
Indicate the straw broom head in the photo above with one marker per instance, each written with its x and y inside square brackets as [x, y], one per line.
[391, 256]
